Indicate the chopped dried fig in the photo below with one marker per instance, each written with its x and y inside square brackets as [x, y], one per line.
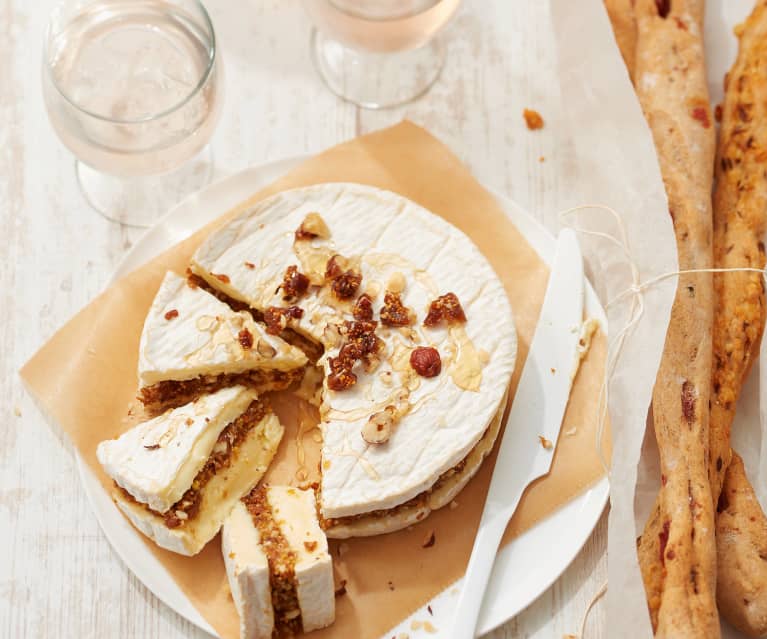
[445, 307]
[363, 308]
[336, 265]
[294, 284]
[276, 318]
[394, 312]
[341, 380]
[245, 337]
[345, 286]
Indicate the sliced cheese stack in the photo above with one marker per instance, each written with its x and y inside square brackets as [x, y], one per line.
[277, 561]
[179, 474]
[192, 344]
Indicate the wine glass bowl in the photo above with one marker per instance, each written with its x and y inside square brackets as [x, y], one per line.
[379, 53]
[132, 89]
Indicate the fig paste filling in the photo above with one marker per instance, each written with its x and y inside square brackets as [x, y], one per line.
[225, 452]
[282, 565]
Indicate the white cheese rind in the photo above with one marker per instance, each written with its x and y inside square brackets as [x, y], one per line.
[247, 569]
[157, 460]
[202, 338]
[219, 495]
[295, 512]
[390, 235]
[402, 517]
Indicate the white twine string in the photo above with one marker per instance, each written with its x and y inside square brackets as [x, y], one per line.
[597, 596]
[616, 342]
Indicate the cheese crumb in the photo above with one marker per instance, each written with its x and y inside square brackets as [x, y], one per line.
[587, 331]
[545, 442]
[428, 627]
[570, 432]
[415, 625]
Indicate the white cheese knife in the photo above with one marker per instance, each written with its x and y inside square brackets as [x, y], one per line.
[537, 410]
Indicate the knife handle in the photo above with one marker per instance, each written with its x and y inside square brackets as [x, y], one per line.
[477, 575]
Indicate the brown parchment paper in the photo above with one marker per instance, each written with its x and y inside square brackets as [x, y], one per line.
[85, 377]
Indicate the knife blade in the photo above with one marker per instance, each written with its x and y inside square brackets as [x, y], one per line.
[535, 419]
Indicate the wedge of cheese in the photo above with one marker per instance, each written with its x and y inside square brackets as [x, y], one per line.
[192, 343]
[277, 562]
[179, 474]
[433, 423]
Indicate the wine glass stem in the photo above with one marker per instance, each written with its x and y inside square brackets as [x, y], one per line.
[377, 80]
[141, 201]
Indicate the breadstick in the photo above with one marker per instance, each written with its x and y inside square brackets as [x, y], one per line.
[740, 222]
[671, 85]
[741, 554]
[740, 216]
[621, 14]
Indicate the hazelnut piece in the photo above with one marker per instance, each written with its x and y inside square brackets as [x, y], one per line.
[265, 349]
[313, 226]
[380, 426]
[425, 361]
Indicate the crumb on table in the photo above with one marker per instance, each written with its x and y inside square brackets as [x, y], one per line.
[533, 119]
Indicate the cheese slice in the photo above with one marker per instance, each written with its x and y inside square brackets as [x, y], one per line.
[156, 461]
[397, 246]
[189, 333]
[299, 563]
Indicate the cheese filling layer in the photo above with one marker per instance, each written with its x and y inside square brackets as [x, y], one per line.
[157, 461]
[224, 452]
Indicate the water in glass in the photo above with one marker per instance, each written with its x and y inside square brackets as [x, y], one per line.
[130, 87]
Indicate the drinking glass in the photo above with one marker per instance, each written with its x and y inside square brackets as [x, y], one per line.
[132, 89]
[379, 53]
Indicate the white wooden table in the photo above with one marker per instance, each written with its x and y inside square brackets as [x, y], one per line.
[58, 575]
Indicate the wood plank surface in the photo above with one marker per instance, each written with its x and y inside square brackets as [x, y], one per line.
[58, 574]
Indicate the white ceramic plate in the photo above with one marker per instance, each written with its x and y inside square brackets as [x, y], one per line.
[523, 570]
